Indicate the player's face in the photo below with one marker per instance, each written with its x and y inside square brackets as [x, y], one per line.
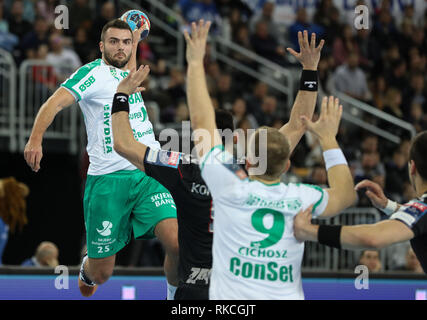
[117, 47]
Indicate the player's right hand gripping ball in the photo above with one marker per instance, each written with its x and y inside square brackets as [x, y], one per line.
[135, 20]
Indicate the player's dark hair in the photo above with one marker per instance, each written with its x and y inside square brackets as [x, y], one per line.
[225, 124]
[117, 24]
[418, 153]
[224, 120]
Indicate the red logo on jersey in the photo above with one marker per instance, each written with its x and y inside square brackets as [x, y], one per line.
[419, 206]
[173, 158]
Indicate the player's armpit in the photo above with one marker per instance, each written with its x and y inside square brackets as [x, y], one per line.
[375, 236]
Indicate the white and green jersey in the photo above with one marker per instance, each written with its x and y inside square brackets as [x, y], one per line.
[94, 85]
[255, 253]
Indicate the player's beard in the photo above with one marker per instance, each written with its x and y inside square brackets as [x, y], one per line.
[114, 61]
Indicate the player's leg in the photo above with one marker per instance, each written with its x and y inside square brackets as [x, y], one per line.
[106, 209]
[100, 270]
[167, 232]
[155, 216]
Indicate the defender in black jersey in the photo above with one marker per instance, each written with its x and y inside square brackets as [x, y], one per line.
[406, 222]
[193, 200]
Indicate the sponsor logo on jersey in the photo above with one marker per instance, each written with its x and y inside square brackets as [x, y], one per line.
[87, 83]
[270, 271]
[200, 189]
[106, 228]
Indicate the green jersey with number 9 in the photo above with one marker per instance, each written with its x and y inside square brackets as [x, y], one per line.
[255, 253]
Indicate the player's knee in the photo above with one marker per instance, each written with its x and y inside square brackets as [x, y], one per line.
[101, 276]
[167, 233]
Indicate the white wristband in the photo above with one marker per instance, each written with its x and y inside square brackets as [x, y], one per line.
[390, 208]
[334, 157]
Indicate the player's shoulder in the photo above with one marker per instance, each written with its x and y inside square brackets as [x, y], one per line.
[92, 66]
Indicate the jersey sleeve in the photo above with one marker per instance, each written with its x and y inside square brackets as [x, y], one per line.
[83, 82]
[162, 165]
[220, 171]
[413, 215]
[312, 194]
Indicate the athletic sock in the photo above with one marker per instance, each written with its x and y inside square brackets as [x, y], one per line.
[83, 276]
[171, 292]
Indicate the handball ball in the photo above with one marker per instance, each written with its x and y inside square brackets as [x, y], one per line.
[135, 19]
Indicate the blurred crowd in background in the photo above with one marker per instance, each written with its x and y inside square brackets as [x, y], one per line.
[383, 66]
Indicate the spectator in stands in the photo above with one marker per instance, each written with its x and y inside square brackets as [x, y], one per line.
[266, 15]
[378, 90]
[17, 23]
[107, 13]
[397, 76]
[414, 93]
[368, 166]
[13, 209]
[255, 99]
[318, 176]
[35, 37]
[46, 10]
[44, 75]
[417, 117]
[344, 44]
[176, 89]
[397, 174]
[351, 79]
[194, 10]
[8, 41]
[65, 60]
[268, 111]
[393, 102]
[84, 47]
[242, 38]
[239, 112]
[412, 263]
[326, 84]
[4, 25]
[371, 259]
[370, 54]
[182, 113]
[266, 45]
[46, 255]
[327, 15]
[80, 15]
[225, 93]
[384, 30]
[301, 23]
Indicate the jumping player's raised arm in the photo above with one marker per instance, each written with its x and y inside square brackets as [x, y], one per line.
[202, 114]
[341, 191]
[305, 101]
[124, 141]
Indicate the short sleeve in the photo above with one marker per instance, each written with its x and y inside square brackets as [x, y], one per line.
[82, 83]
[413, 215]
[220, 171]
[312, 194]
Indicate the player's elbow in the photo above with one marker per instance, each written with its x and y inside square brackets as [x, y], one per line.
[120, 147]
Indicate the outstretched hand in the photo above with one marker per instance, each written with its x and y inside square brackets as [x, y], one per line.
[326, 127]
[196, 43]
[309, 54]
[132, 83]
